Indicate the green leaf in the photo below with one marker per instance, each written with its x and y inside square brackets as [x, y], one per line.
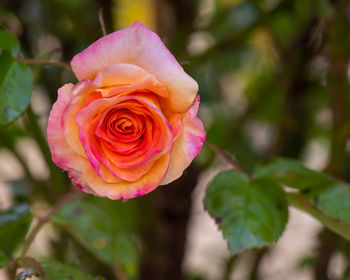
[15, 88]
[4, 260]
[336, 225]
[57, 271]
[8, 42]
[14, 225]
[99, 232]
[292, 174]
[251, 214]
[331, 199]
[326, 194]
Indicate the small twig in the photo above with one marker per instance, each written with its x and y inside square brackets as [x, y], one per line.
[230, 263]
[185, 62]
[43, 220]
[118, 271]
[225, 156]
[102, 23]
[43, 61]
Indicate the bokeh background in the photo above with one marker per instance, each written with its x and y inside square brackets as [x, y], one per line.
[273, 78]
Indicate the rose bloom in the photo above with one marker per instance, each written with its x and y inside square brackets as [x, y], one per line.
[129, 124]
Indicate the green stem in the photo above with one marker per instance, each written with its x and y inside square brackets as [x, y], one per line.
[225, 156]
[102, 22]
[44, 61]
[228, 268]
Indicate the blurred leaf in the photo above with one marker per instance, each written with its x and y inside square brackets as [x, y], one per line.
[234, 58]
[261, 82]
[57, 271]
[244, 154]
[284, 27]
[324, 192]
[336, 225]
[219, 130]
[4, 260]
[14, 225]
[270, 109]
[100, 233]
[15, 88]
[125, 215]
[8, 42]
[243, 16]
[237, 19]
[293, 174]
[251, 214]
[333, 199]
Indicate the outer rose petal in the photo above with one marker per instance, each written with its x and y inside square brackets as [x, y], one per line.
[80, 182]
[62, 155]
[125, 190]
[138, 45]
[80, 93]
[129, 77]
[187, 145]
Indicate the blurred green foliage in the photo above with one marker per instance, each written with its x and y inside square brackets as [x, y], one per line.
[14, 225]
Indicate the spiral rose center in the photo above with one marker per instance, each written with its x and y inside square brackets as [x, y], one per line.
[124, 125]
[129, 132]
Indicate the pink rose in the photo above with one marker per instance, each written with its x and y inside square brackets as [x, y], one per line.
[129, 124]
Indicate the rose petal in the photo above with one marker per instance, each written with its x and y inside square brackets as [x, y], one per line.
[62, 154]
[175, 120]
[187, 145]
[78, 179]
[80, 92]
[138, 45]
[126, 190]
[130, 77]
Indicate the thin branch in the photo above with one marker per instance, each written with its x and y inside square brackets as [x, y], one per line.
[230, 263]
[225, 156]
[118, 271]
[102, 23]
[43, 220]
[43, 61]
